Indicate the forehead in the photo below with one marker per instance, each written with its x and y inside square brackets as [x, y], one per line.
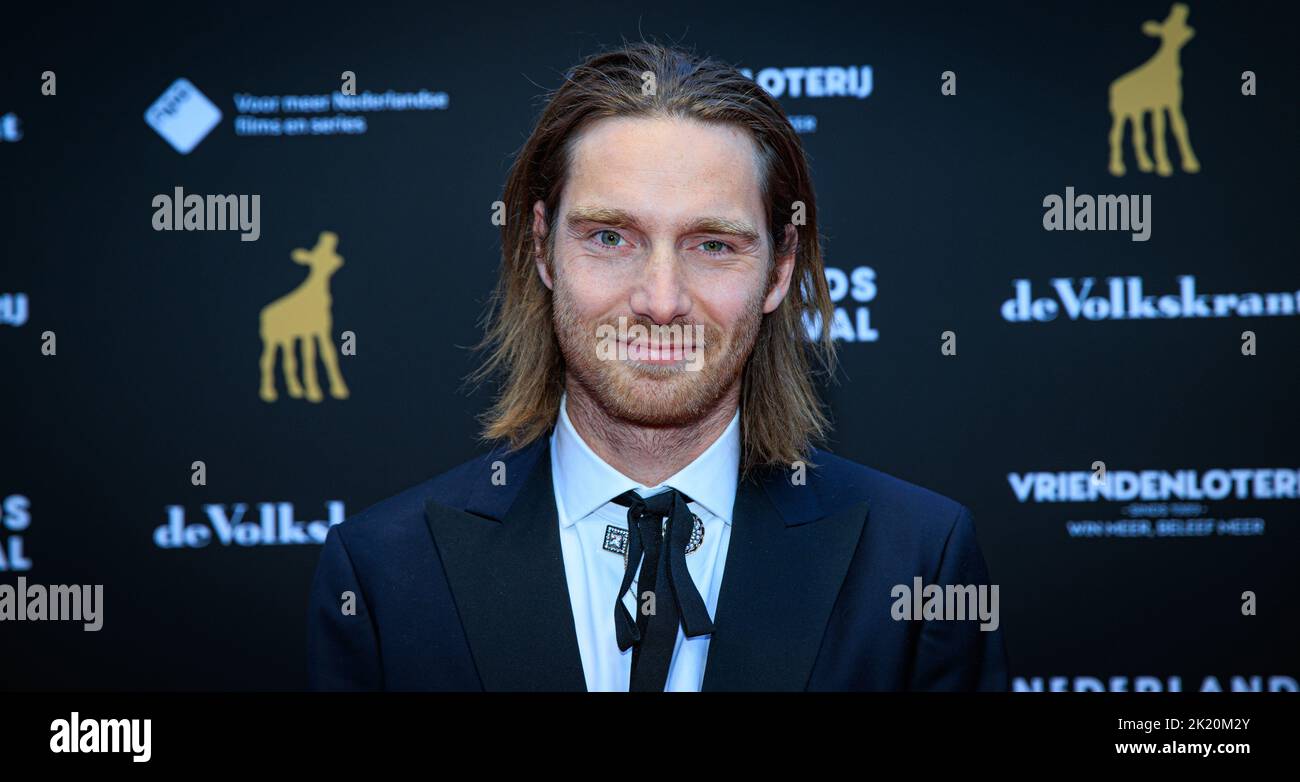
[666, 169]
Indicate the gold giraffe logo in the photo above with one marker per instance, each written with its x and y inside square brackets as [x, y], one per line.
[1155, 86]
[303, 314]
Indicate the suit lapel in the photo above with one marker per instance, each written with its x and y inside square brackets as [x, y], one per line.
[507, 577]
[782, 575]
[785, 564]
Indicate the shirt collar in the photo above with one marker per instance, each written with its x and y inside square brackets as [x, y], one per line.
[585, 481]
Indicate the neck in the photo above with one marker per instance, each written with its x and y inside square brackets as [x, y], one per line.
[647, 455]
[1166, 52]
[316, 282]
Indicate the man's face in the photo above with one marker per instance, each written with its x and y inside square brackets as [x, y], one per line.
[661, 224]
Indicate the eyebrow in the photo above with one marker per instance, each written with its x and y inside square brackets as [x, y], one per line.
[621, 218]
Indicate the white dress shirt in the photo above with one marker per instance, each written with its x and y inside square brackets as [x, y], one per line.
[584, 487]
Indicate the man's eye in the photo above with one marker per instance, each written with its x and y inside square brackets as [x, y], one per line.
[715, 246]
[606, 236]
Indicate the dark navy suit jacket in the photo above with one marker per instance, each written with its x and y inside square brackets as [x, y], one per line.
[458, 584]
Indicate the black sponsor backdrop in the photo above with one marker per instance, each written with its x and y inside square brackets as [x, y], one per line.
[157, 332]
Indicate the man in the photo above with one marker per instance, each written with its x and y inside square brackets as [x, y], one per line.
[654, 516]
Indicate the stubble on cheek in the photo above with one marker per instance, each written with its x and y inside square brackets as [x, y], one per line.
[650, 395]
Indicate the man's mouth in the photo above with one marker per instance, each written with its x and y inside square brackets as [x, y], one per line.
[649, 352]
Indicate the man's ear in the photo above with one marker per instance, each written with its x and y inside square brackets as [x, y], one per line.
[784, 269]
[539, 243]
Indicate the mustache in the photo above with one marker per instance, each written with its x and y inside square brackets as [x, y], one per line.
[653, 342]
[679, 333]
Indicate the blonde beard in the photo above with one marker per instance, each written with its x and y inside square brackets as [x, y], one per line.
[648, 395]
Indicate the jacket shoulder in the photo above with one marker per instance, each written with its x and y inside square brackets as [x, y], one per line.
[399, 520]
[897, 505]
[844, 480]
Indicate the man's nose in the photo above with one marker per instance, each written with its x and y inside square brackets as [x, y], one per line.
[660, 293]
